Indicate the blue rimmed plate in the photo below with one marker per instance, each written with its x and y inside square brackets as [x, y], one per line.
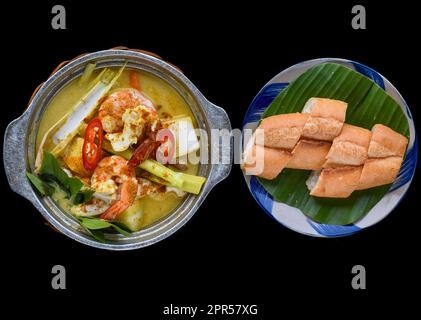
[292, 217]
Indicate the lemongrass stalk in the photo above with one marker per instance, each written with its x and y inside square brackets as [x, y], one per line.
[186, 182]
[38, 159]
[176, 179]
[87, 73]
[84, 109]
[158, 180]
[191, 183]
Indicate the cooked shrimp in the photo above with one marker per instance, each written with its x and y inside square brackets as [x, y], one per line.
[102, 201]
[112, 109]
[126, 198]
[124, 115]
[149, 188]
[135, 121]
[113, 176]
[93, 207]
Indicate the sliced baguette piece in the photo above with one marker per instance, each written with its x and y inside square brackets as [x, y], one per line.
[349, 148]
[378, 172]
[265, 162]
[309, 155]
[325, 129]
[386, 142]
[326, 119]
[334, 182]
[283, 130]
[326, 108]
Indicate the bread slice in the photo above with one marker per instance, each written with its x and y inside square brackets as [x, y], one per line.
[326, 108]
[309, 155]
[283, 130]
[334, 182]
[386, 142]
[378, 172]
[265, 162]
[326, 119]
[349, 148]
[325, 129]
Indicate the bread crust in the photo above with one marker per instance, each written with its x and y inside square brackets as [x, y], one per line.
[349, 148]
[378, 172]
[283, 130]
[325, 129]
[326, 118]
[337, 182]
[354, 134]
[327, 108]
[386, 142]
[265, 162]
[309, 155]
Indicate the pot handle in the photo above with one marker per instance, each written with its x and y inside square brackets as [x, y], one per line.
[14, 157]
[219, 119]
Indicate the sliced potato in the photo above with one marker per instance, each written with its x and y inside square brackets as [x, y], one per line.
[73, 157]
[133, 217]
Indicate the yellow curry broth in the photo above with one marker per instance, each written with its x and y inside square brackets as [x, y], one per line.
[166, 100]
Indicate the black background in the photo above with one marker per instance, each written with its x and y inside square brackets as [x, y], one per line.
[230, 252]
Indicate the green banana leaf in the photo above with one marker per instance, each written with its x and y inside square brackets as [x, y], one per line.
[368, 104]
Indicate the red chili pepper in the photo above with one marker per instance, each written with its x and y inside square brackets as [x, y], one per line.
[92, 145]
[167, 139]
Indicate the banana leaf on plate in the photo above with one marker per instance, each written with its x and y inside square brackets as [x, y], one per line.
[368, 104]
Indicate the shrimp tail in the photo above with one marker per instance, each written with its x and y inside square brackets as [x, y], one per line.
[145, 149]
[128, 194]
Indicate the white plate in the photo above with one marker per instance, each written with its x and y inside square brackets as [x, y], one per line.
[292, 217]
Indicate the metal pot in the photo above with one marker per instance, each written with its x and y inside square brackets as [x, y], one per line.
[19, 146]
